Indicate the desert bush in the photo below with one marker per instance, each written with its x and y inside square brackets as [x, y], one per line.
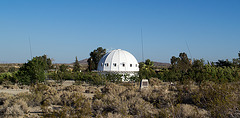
[130, 93]
[5, 95]
[155, 82]
[72, 88]
[122, 101]
[111, 101]
[74, 104]
[159, 96]
[185, 90]
[113, 88]
[141, 108]
[115, 115]
[15, 107]
[43, 94]
[14, 111]
[98, 95]
[97, 106]
[219, 99]
[66, 98]
[185, 111]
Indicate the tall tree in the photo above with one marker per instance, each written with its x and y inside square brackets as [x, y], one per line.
[181, 63]
[76, 66]
[95, 57]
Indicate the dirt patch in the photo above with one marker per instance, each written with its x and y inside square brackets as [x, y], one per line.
[13, 91]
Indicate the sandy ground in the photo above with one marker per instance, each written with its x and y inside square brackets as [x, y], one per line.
[88, 95]
[13, 91]
[65, 83]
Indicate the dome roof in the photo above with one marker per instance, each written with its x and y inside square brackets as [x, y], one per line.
[118, 60]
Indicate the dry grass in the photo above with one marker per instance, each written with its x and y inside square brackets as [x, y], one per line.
[161, 99]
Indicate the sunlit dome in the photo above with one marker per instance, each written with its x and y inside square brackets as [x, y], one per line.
[118, 61]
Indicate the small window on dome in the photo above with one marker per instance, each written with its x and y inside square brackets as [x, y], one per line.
[101, 64]
[106, 64]
[114, 64]
[136, 65]
[130, 65]
[123, 65]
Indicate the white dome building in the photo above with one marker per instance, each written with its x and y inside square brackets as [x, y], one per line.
[118, 61]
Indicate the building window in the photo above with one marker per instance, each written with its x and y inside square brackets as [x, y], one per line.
[130, 65]
[106, 64]
[136, 65]
[101, 64]
[123, 65]
[114, 64]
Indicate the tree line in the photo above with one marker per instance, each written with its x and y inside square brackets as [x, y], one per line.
[182, 68]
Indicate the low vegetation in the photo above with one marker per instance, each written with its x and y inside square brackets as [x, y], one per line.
[160, 99]
[186, 89]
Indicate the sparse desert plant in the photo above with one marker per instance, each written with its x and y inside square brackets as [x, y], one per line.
[72, 88]
[140, 108]
[219, 99]
[122, 101]
[42, 93]
[98, 95]
[15, 107]
[113, 88]
[66, 98]
[14, 111]
[114, 115]
[23, 105]
[186, 111]
[155, 81]
[185, 90]
[74, 104]
[187, 99]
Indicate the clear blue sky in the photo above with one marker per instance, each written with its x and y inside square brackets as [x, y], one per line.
[63, 29]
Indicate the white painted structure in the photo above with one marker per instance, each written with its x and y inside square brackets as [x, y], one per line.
[144, 84]
[118, 61]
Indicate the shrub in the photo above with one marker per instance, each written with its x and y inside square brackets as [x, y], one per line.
[73, 104]
[72, 88]
[220, 99]
[155, 82]
[15, 107]
[14, 111]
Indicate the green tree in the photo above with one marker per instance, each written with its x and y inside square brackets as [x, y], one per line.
[76, 66]
[181, 63]
[2, 70]
[222, 63]
[198, 64]
[95, 57]
[146, 70]
[236, 61]
[12, 69]
[34, 70]
[63, 68]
